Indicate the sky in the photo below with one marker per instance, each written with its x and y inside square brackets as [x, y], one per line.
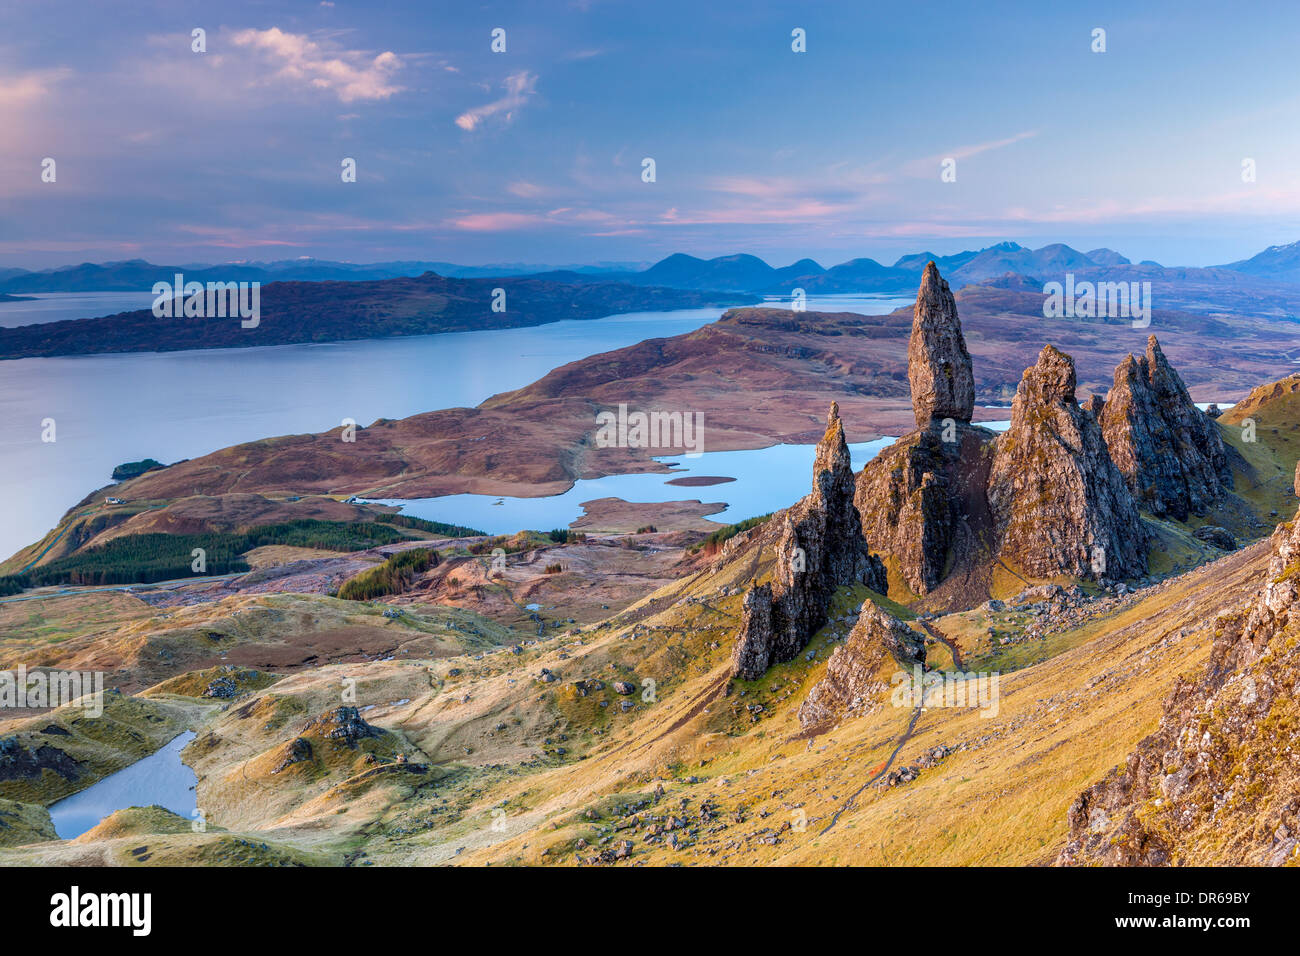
[535, 154]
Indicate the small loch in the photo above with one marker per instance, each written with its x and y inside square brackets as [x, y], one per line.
[160, 778]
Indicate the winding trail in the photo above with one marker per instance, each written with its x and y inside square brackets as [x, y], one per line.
[948, 642]
[938, 635]
[880, 771]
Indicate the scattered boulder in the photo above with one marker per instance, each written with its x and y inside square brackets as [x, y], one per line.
[1221, 538]
[343, 724]
[221, 688]
[298, 751]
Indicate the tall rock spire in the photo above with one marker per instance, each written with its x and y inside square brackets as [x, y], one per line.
[938, 365]
[820, 548]
[922, 500]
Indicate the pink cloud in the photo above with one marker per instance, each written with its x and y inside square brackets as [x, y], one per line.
[495, 221]
[519, 87]
[350, 75]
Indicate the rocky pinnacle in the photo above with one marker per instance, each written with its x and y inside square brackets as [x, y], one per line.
[820, 548]
[938, 365]
[1059, 503]
[1168, 450]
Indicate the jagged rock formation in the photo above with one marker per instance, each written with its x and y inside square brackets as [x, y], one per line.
[938, 365]
[821, 548]
[1219, 781]
[922, 499]
[1059, 504]
[858, 673]
[1168, 450]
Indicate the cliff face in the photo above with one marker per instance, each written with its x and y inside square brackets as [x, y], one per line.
[1059, 504]
[1168, 450]
[938, 364]
[921, 497]
[1219, 781]
[821, 548]
[858, 673]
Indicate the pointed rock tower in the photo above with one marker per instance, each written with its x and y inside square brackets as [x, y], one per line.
[938, 365]
[1167, 449]
[1059, 504]
[922, 499]
[820, 548]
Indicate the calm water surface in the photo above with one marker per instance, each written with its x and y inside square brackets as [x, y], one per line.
[110, 409]
[159, 778]
[767, 479]
[57, 306]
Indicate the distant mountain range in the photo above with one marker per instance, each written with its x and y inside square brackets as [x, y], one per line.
[746, 273]
[1279, 263]
[138, 275]
[733, 273]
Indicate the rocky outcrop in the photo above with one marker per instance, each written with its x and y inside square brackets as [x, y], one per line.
[19, 760]
[297, 751]
[922, 499]
[1219, 780]
[343, 724]
[858, 673]
[820, 548]
[1059, 504]
[1167, 449]
[923, 502]
[938, 365]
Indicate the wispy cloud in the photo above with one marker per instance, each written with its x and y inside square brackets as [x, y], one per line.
[927, 165]
[510, 221]
[519, 87]
[807, 210]
[496, 221]
[21, 90]
[351, 75]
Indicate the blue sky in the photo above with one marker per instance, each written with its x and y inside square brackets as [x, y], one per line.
[534, 155]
